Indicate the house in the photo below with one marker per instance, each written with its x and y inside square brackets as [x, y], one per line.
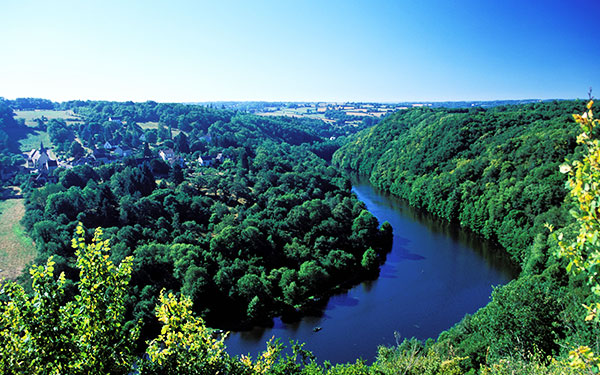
[83, 161]
[178, 160]
[41, 160]
[211, 160]
[122, 152]
[207, 160]
[166, 154]
[51, 165]
[100, 156]
[37, 158]
[115, 119]
[127, 152]
[207, 138]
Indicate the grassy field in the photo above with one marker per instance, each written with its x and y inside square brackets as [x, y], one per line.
[154, 125]
[33, 138]
[16, 248]
[30, 116]
[294, 112]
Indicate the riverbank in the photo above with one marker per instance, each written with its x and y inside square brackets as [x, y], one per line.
[434, 275]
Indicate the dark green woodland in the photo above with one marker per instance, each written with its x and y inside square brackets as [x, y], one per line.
[252, 217]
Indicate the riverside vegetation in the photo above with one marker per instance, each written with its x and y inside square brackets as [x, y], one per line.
[495, 170]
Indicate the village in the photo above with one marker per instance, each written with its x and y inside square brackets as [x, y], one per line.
[40, 163]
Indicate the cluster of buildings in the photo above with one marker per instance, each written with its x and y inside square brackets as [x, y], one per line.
[170, 157]
[41, 162]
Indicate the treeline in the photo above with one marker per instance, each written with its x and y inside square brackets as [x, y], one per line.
[271, 228]
[24, 104]
[496, 171]
[7, 123]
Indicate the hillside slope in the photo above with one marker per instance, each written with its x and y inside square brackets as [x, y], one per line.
[495, 171]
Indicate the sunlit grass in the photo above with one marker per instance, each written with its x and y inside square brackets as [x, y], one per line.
[16, 248]
[154, 125]
[32, 139]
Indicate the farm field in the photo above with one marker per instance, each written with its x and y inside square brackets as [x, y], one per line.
[16, 248]
[154, 125]
[30, 116]
[294, 112]
[33, 138]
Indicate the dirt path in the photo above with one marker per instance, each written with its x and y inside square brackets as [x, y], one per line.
[16, 248]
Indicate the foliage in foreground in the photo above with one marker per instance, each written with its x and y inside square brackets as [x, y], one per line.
[44, 333]
[47, 332]
[583, 252]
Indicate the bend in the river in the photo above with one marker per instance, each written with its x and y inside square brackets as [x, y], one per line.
[434, 275]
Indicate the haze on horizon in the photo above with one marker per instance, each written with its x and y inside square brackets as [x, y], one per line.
[375, 51]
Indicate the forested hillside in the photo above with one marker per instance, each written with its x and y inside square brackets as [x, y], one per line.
[496, 171]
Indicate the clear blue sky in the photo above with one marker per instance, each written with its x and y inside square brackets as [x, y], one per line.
[304, 50]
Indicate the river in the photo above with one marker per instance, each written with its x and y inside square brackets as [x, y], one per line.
[434, 275]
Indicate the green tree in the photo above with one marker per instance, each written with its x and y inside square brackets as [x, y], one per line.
[163, 132]
[181, 143]
[369, 260]
[176, 174]
[312, 274]
[46, 334]
[76, 150]
[185, 345]
[147, 152]
[583, 252]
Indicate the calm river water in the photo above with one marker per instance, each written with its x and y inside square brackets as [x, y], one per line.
[434, 275]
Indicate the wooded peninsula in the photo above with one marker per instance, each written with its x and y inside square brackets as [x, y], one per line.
[215, 216]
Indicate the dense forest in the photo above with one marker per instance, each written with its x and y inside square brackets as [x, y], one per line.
[269, 230]
[495, 171]
[272, 228]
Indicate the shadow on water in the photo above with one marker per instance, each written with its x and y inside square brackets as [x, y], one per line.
[342, 300]
[489, 250]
